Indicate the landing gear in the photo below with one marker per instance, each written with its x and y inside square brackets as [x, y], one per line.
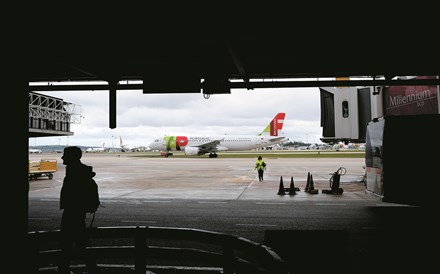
[212, 155]
[166, 154]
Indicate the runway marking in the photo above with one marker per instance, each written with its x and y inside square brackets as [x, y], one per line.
[255, 225]
[212, 202]
[155, 201]
[244, 190]
[42, 219]
[267, 203]
[324, 204]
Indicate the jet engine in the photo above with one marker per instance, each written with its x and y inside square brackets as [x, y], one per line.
[192, 151]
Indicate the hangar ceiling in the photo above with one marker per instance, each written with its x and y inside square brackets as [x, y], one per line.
[179, 64]
[173, 48]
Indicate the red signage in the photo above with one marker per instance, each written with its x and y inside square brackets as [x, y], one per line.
[411, 100]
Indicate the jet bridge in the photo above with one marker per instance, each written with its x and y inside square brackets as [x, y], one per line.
[51, 116]
[347, 110]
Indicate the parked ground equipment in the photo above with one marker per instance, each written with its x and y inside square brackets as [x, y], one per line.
[42, 168]
[334, 182]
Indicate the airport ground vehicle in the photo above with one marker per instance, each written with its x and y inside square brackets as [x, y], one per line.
[42, 168]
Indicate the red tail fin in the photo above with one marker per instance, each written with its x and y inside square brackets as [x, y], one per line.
[277, 124]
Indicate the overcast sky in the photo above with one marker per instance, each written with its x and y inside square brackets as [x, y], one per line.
[143, 117]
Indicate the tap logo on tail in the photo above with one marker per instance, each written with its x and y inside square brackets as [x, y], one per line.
[275, 126]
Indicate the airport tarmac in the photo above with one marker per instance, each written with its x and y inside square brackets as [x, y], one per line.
[127, 176]
[224, 195]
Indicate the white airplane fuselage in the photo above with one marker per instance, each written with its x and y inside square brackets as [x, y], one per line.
[225, 142]
[200, 145]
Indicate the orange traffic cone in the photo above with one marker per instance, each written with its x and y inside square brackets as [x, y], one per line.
[281, 188]
[292, 187]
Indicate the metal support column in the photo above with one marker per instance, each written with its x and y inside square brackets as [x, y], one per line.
[112, 103]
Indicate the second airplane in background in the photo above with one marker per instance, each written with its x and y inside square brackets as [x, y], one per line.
[200, 145]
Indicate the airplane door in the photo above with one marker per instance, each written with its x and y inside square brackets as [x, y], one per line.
[164, 143]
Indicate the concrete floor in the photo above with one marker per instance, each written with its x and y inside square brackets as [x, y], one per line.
[122, 176]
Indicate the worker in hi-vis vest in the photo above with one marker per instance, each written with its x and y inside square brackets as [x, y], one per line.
[260, 166]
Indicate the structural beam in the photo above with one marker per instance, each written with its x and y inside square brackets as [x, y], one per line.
[251, 85]
[112, 104]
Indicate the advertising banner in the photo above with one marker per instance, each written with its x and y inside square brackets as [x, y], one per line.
[411, 100]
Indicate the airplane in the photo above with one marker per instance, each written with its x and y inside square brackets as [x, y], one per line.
[126, 148]
[96, 149]
[31, 150]
[200, 145]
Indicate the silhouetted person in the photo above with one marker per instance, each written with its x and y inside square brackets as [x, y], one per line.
[260, 166]
[73, 226]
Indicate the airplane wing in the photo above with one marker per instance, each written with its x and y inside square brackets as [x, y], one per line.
[209, 147]
[276, 139]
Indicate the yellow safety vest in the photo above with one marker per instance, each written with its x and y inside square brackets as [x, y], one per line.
[259, 164]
